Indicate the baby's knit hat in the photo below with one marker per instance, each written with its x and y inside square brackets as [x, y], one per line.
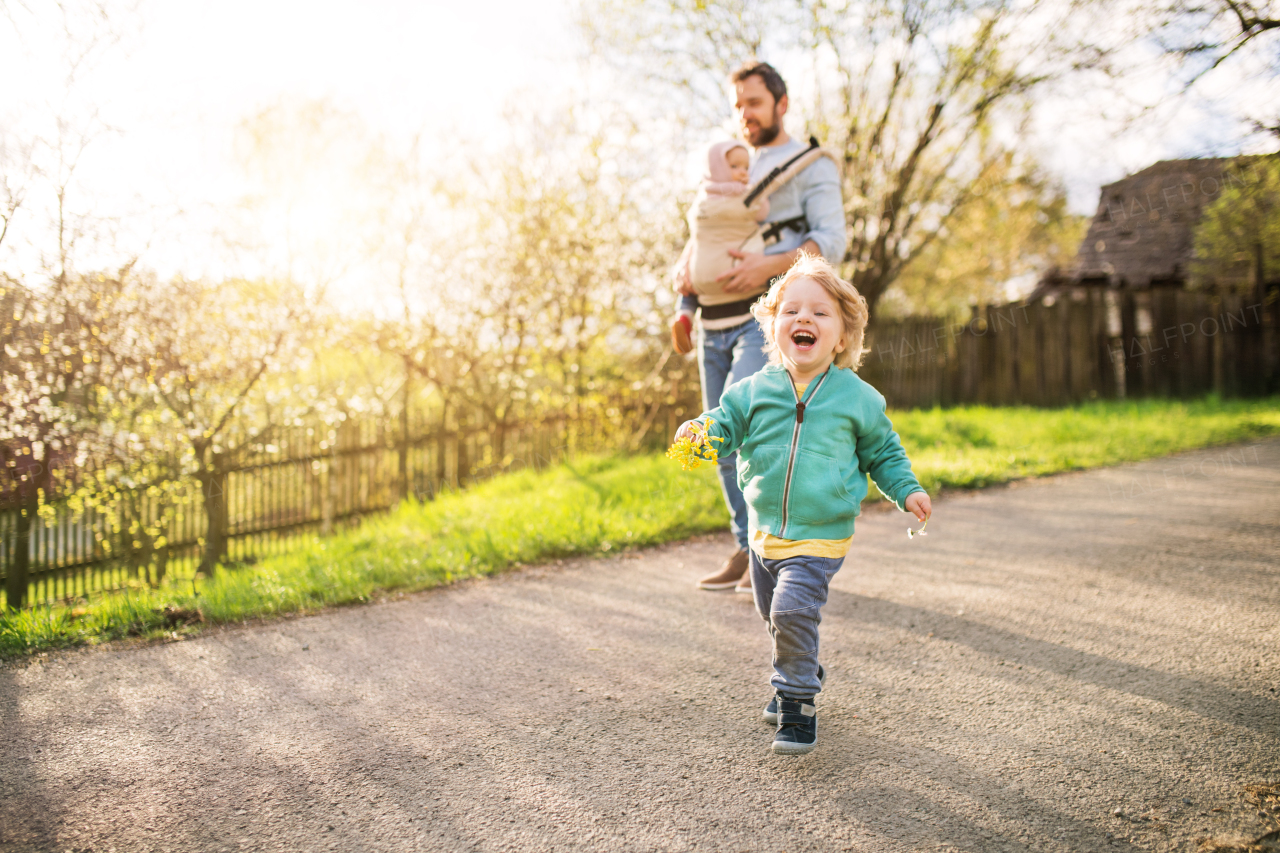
[718, 180]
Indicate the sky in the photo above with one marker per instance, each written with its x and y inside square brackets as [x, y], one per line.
[172, 91]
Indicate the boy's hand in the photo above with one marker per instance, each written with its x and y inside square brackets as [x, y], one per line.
[918, 504]
[684, 431]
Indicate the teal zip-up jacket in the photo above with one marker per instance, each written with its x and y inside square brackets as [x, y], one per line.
[803, 462]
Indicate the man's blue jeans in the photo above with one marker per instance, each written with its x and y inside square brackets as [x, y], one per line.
[789, 596]
[724, 357]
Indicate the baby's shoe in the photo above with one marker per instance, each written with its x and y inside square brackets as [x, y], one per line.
[770, 713]
[682, 334]
[797, 726]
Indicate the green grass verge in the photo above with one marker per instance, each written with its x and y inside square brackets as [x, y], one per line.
[592, 505]
[976, 446]
[603, 504]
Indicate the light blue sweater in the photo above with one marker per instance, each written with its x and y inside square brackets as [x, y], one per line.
[813, 194]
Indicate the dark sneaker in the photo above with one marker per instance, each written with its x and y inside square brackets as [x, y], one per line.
[730, 573]
[797, 726]
[770, 714]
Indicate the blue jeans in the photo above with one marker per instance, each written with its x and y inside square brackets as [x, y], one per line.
[724, 357]
[789, 596]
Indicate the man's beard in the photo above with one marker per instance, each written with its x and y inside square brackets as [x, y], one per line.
[764, 135]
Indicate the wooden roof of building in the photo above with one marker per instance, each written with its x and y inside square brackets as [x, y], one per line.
[1143, 233]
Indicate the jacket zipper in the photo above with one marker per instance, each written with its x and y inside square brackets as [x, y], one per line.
[795, 443]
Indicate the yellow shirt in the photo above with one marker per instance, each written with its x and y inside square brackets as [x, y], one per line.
[770, 547]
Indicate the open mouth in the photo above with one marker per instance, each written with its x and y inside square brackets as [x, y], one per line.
[803, 339]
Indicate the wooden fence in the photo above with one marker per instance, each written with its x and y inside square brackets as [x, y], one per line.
[1090, 344]
[1078, 346]
[310, 481]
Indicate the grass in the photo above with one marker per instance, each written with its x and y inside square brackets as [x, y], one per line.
[976, 446]
[593, 505]
[603, 504]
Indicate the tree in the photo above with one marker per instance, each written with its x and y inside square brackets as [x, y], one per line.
[17, 170]
[1209, 33]
[221, 360]
[564, 267]
[922, 99]
[1238, 237]
[1203, 36]
[51, 366]
[412, 240]
[1013, 233]
[50, 372]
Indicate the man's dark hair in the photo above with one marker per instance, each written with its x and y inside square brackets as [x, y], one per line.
[768, 75]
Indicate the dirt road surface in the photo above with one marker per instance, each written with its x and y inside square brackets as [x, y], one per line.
[1082, 663]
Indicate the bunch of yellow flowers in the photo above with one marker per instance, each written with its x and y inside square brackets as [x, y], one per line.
[692, 452]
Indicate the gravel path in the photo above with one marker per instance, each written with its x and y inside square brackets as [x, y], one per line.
[1051, 653]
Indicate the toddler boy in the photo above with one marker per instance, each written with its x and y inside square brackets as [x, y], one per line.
[807, 431]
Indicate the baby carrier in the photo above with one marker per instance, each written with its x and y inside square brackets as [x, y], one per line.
[718, 224]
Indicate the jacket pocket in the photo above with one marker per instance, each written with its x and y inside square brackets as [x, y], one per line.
[818, 493]
[761, 477]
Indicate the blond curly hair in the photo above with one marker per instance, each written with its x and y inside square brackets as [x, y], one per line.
[853, 308]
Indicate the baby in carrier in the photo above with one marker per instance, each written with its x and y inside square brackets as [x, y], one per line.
[719, 221]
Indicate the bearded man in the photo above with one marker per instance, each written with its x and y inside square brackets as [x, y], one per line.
[806, 215]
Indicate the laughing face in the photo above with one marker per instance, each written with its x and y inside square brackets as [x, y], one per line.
[808, 329]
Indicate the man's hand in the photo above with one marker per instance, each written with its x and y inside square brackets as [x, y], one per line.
[757, 268]
[754, 272]
[918, 504]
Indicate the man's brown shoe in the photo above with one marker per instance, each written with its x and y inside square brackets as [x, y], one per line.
[744, 585]
[730, 573]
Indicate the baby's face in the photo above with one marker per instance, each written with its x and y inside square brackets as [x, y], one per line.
[739, 164]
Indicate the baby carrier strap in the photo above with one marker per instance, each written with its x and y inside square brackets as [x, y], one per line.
[773, 233]
[779, 176]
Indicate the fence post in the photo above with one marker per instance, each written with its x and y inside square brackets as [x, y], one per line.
[326, 493]
[1078, 349]
[1003, 332]
[1128, 334]
[1219, 350]
[984, 357]
[442, 460]
[1269, 300]
[18, 578]
[1192, 308]
[402, 449]
[1237, 347]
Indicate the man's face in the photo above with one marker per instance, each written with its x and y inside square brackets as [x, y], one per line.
[759, 116]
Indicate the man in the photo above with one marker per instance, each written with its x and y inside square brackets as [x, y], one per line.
[809, 215]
